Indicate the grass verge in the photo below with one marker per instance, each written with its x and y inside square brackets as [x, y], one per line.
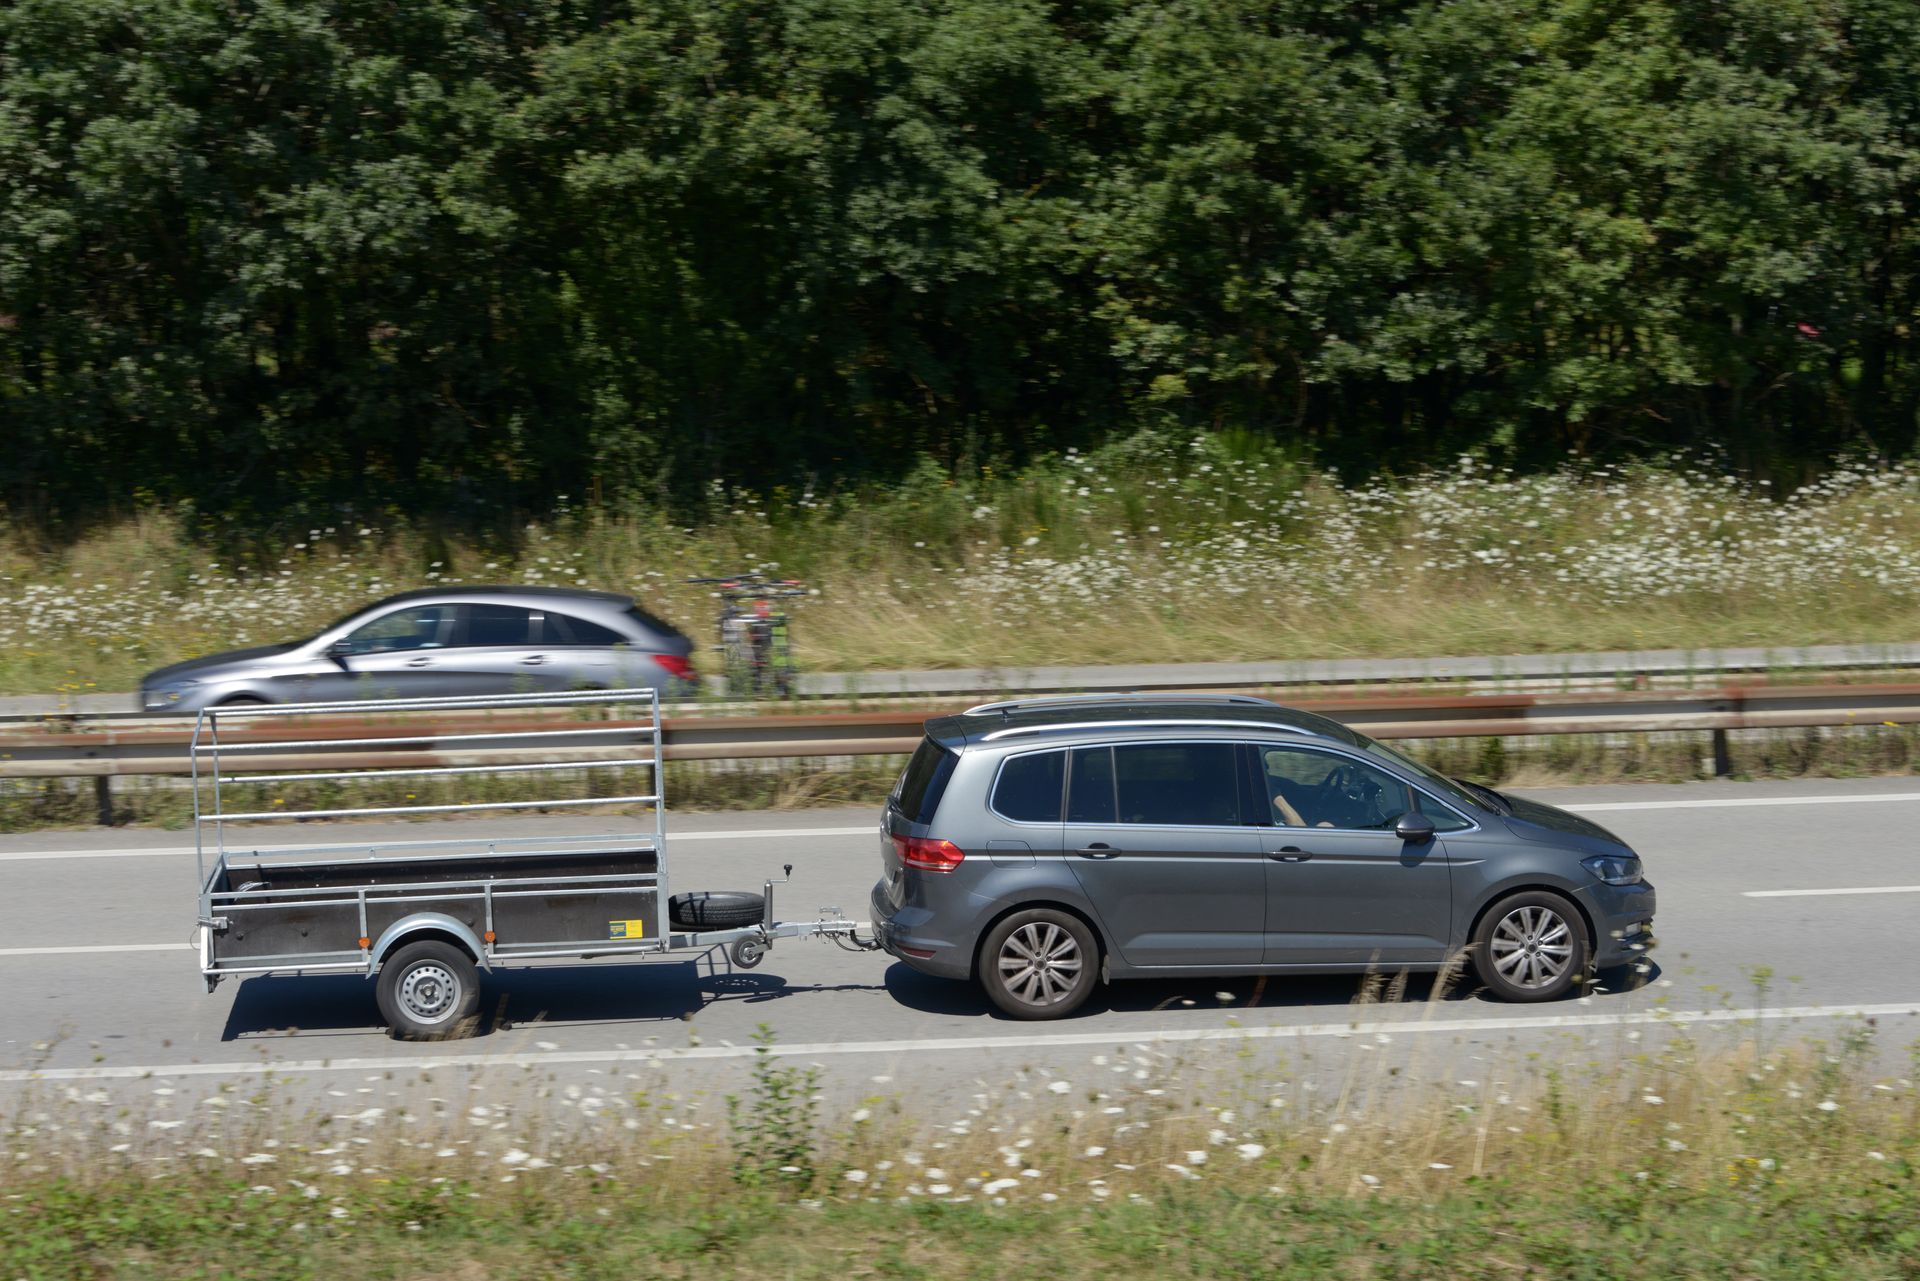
[1154, 549]
[1746, 1162]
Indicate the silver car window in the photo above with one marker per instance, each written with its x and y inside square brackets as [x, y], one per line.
[422, 627]
[565, 629]
[497, 625]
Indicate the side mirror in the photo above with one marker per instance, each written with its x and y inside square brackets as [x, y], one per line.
[1414, 828]
[338, 652]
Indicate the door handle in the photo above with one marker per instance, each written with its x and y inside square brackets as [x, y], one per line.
[419, 662]
[534, 661]
[1289, 854]
[1099, 849]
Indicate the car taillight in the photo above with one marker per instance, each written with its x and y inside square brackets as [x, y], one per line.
[928, 854]
[675, 665]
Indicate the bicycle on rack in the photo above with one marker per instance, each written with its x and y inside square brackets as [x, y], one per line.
[756, 650]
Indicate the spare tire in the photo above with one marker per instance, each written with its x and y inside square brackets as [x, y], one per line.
[715, 910]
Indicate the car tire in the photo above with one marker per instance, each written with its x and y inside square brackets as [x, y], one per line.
[1531, 946]
[244, 700]
[715, 910]
[1040, 963]
[428, 991]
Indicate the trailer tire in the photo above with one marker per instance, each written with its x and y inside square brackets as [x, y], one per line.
[715, 910]
[428, 991]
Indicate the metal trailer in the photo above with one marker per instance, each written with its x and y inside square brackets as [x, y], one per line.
[425, 916]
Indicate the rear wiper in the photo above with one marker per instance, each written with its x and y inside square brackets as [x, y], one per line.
[1501, 804]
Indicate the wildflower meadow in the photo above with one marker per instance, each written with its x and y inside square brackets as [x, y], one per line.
[1159, 548]
[1757, 1156]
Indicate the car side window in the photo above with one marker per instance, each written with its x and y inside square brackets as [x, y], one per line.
[498, 625]
[1321, 789]
[564, 629]
[1445, 817]
[423, 627]
[1029, 787]
[1177, 784]
[1090, 796]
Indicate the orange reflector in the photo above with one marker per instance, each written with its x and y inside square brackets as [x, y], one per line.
[488, 936]
[365, 943]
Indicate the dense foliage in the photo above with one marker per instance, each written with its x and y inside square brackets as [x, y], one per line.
[273, 257]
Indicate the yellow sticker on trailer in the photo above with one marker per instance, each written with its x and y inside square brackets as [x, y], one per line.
[626, 929]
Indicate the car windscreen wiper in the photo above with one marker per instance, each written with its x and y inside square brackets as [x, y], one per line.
[1501, 804]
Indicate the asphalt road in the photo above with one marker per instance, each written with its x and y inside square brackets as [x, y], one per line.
[1815, 880]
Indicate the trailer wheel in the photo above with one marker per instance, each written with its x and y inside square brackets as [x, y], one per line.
[747, 953]
[428, 991]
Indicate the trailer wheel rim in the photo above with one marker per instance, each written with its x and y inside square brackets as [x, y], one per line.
[429, 993]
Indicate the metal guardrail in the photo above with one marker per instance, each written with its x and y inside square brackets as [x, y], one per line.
[349, 741]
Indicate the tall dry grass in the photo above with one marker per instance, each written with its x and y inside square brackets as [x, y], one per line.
[1155, 549]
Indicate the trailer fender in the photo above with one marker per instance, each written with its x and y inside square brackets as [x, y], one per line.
[427, 923]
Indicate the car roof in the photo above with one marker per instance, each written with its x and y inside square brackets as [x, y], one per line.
[1101, 718]
[482, 592]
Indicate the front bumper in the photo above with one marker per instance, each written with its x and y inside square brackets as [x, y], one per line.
[1622, 922]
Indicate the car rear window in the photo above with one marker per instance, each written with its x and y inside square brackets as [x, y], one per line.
[565, 630]
[923, 782]
[1028, 789]
[647, 620]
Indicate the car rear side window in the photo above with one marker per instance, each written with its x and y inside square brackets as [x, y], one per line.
[923, 782]
[1178, 784]
[564, 629]
[1090, 799]
[498, 625]
[1028, 789]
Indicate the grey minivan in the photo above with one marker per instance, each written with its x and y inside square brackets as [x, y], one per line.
[443, 641]
[1042, 846]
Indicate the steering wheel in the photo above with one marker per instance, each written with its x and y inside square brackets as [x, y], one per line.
[1342, 780]
[1349, 790]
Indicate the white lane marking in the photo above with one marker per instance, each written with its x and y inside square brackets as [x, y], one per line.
[104, 947]
[169, 851]
[1732, 802]
[1863, 889]
[948, 1045]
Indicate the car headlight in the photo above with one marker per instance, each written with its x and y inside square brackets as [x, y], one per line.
[166, 695]
[1615, 869]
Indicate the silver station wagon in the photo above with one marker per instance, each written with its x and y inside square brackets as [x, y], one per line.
[1042, 846]
[442, 642]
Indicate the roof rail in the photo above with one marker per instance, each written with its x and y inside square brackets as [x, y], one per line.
[1076, 700]
[1183, 723]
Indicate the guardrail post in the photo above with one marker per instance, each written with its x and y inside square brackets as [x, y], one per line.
[1722, 757]
[103, 797]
